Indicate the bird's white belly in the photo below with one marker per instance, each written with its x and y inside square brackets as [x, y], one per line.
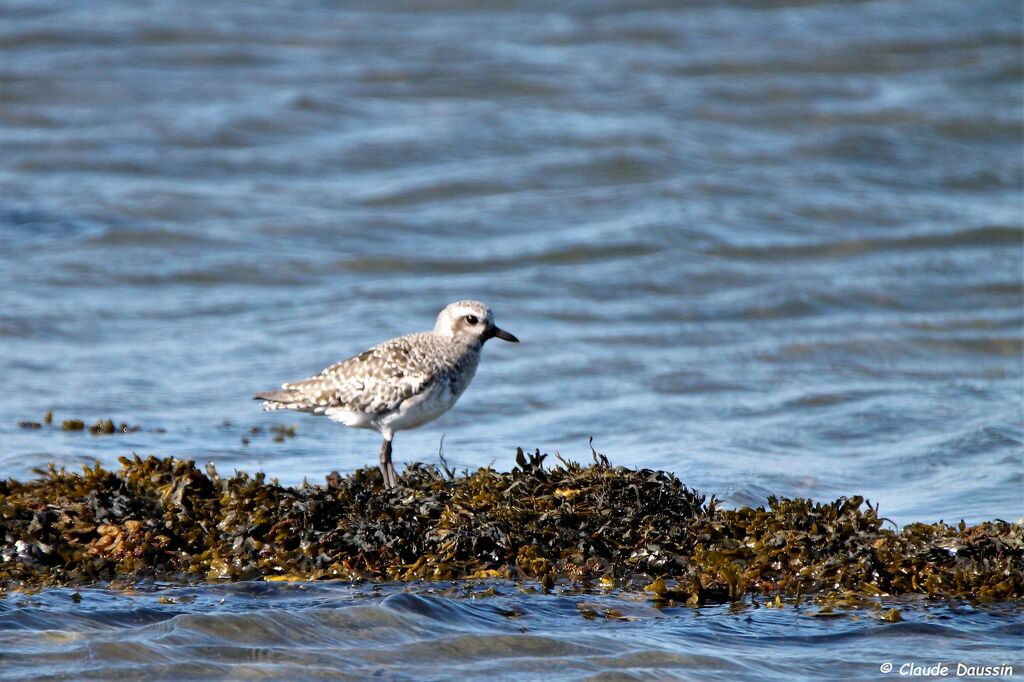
[414, 412]
[418, 410]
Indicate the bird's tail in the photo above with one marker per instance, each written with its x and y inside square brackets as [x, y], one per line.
[276, 400]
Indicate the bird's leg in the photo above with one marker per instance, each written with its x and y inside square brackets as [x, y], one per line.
[386, 467]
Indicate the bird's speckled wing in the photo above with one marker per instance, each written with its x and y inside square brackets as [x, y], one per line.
[375, 381]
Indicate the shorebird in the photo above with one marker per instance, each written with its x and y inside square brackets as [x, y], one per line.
[399, 384]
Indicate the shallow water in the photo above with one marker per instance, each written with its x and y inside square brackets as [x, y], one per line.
[773, 247]
[330, 631]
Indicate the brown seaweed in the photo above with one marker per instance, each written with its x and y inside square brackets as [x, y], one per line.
[596, 526]
[99, 428]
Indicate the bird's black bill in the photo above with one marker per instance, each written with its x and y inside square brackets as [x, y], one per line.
[501, 334]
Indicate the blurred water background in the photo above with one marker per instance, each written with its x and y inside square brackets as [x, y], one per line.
[774, 247]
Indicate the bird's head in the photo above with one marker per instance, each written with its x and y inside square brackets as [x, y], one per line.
[469, 322]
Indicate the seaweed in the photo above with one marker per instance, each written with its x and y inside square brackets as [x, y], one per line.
[598, 527]
[101, 427]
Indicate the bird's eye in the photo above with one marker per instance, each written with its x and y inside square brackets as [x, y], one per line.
[472, 319]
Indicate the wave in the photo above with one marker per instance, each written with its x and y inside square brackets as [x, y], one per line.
[979, 237]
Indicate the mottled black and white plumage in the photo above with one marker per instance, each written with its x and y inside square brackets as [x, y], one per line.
[399, 384]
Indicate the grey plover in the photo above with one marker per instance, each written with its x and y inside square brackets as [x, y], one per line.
[399, 384]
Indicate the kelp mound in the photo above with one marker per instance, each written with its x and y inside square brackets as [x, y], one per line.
[596, 525]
